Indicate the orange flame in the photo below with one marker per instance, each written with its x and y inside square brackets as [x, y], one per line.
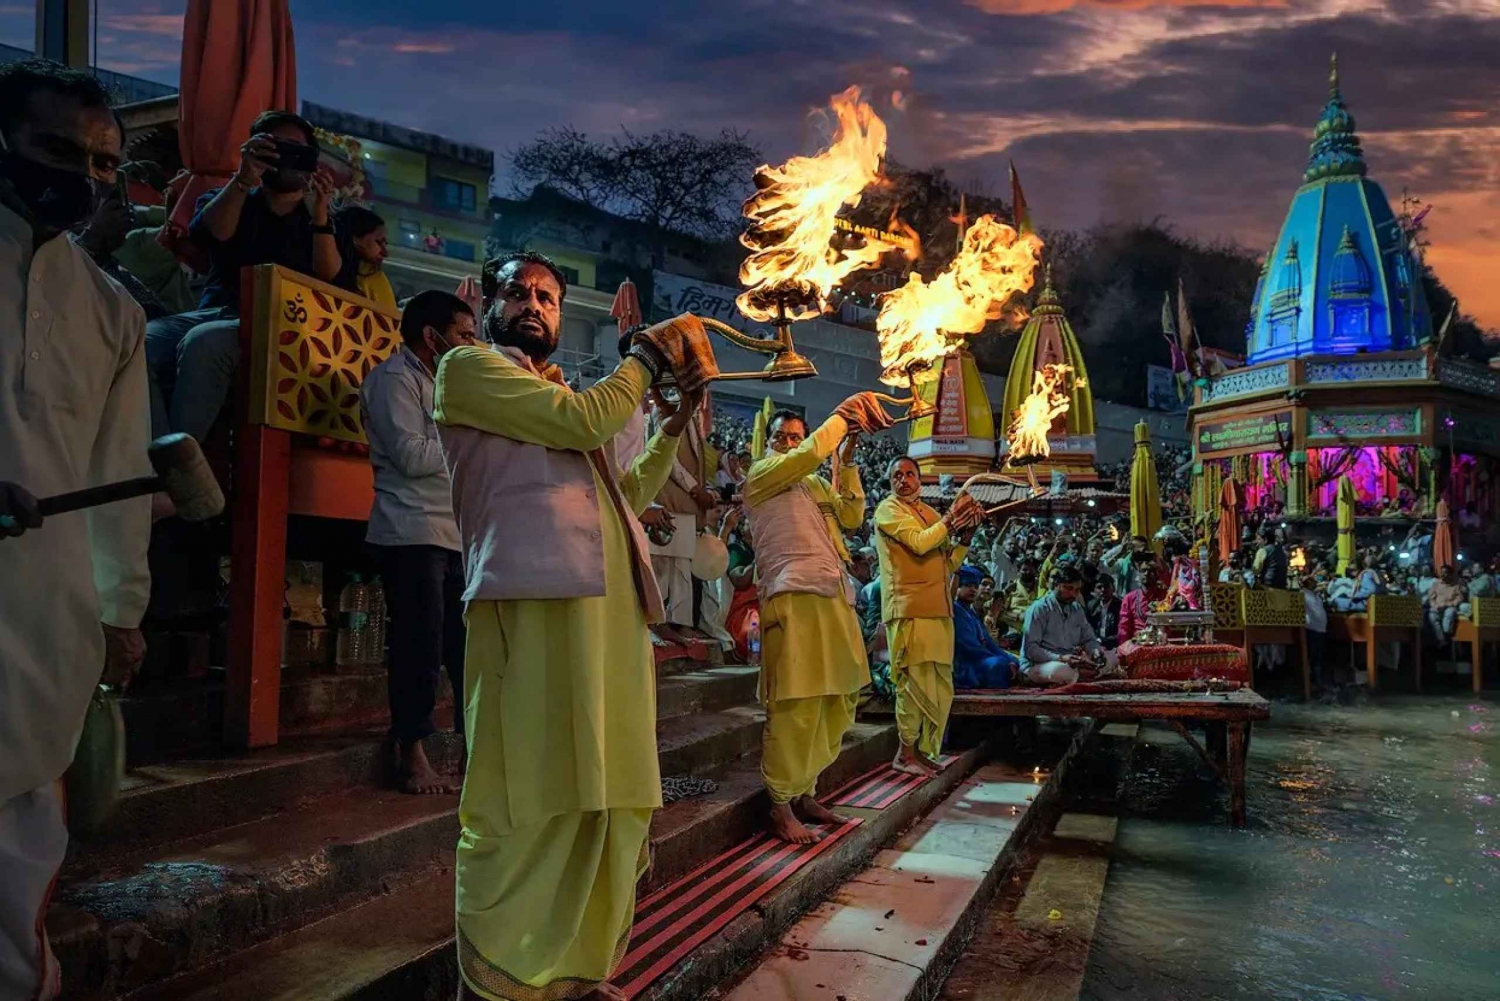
[1299, 559]
[922, 321]
[1051, 398]
[792, 218]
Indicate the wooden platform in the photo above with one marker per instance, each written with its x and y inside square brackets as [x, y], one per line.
[1227, 717]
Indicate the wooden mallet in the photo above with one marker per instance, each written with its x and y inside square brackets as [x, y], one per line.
[181, 473]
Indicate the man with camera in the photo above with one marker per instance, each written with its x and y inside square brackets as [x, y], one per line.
[262, 216]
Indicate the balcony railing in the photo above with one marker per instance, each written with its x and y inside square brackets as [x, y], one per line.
[422, 198]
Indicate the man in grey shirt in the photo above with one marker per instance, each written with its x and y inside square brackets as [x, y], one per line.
[1058, 646]
[412, 529]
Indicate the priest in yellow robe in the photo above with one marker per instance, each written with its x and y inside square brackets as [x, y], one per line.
[560, 694]
[919, 552]
[812, 650]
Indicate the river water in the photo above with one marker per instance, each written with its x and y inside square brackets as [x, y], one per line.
[1369, 869]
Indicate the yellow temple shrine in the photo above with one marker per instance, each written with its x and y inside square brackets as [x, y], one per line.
[966, 435]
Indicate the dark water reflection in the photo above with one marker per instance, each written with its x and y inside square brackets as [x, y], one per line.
[1370, 867]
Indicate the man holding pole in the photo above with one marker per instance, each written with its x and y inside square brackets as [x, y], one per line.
[812, 649]
[920, 552]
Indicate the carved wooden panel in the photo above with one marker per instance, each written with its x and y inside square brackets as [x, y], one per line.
[311, 347]
[1401, 610]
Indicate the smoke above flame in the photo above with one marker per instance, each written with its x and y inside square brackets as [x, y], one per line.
[923, 320]
[792, 265]
[1050, 398]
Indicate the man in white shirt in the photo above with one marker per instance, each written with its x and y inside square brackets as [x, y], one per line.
[74, 413]
[413, 532]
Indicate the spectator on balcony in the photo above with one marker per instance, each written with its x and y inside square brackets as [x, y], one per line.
[412, 530]
[143, 256]
[260, 217]
[433, 243]
[73, 415]
[362, 250]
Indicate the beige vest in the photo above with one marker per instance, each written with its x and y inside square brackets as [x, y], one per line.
[529, 516]
[794, 552]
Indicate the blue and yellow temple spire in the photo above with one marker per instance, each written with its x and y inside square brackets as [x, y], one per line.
[1340, 278]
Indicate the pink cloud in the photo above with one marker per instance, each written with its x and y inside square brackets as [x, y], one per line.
[432, 47]
[169, 25]
[1025, 7]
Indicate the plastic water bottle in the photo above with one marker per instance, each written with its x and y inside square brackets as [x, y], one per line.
[354, 613]
[375, 646]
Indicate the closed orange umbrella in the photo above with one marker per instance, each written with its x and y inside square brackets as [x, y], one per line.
[238, 60]
[1444, 539]
[1230, 503]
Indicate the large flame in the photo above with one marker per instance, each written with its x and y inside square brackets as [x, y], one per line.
[922, 321]
[1050, 398]
[792, 265]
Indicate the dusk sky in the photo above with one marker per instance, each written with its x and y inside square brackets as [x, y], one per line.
[1195, 111]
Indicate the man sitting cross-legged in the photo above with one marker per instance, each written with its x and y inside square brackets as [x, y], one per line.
[1058, 646]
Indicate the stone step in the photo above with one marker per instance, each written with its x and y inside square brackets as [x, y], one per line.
[399, 946]
[173, 718]
[171, 800]
[893, 931]
[134, 915]
[1033, 943]
[706, 689]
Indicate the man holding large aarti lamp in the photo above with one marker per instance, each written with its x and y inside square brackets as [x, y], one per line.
[812, 649]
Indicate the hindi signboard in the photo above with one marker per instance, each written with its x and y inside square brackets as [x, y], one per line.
[1162, 390]
[1274, 429]
[672, 295]
[952, 418]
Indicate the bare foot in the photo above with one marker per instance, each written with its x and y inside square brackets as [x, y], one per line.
[786, 826]
[418, 776]
[813, 812]
[909, 762]
[605, 992]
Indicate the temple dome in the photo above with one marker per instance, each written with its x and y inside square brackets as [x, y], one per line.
[1340, 278]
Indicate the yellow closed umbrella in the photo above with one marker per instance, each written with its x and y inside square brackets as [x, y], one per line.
[1145, 495]
[1346, 501]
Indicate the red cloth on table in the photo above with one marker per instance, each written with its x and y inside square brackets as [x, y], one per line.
[1185, 662]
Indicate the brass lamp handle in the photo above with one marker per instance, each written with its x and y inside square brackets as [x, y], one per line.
[737, 337]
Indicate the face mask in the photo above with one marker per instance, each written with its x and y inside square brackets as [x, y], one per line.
[52, 198]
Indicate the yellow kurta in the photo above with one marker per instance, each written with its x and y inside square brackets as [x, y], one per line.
[560, 714]
[377, 287]
[921, 647]
[813, 654]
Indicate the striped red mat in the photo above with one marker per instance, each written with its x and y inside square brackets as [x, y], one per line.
[676, 919]
[879, 787]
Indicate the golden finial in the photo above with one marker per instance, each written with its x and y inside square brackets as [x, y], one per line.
[1333, 74]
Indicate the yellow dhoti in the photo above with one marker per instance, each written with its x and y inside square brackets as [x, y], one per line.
[922, 673]
[561, 784]
[552, 903]
[814, 667]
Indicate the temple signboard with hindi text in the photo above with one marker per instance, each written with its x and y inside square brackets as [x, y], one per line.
[952, 418]
[1274, 429]
[672, 295]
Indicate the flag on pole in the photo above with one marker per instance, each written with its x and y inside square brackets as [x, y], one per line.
[1187, 334]
[1169, 334]
[1019, 209]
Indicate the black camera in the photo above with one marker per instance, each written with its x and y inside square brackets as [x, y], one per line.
[295, 156]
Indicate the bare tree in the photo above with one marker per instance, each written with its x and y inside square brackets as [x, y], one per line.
[669, 181]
